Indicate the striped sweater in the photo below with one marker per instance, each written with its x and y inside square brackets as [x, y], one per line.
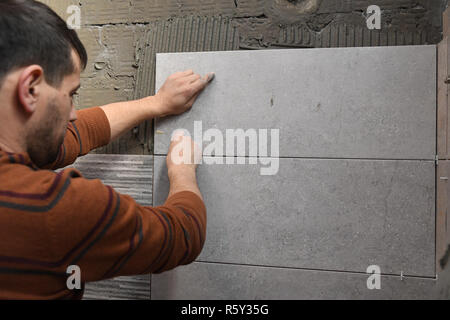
[50, 221]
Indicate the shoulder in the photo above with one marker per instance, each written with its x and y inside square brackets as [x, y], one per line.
[26, 188]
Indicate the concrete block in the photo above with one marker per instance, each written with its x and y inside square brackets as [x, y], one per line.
[145, 10]
[347, 6]
[203, 281]
[60, 6]
[290, 11]
[446, 22]
[375, 103]
[135, 11]
[333, 6]
[122, 47]
[90, 37]
[339, 30]
[100, 91]
[102, 12]
[113, 50]
[319, 214]
[110, 75]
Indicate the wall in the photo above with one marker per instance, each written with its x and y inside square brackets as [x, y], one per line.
[122, 38]
[119, 34]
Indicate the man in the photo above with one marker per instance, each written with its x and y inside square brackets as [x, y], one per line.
[50, 221]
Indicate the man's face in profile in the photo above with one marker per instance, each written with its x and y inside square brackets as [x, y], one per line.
[47, 129]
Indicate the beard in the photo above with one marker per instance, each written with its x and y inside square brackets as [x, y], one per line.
[44, 141]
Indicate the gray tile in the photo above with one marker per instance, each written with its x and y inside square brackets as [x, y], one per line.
[121, 288]
[334, 103]
[127, 174]
[319, 214]
[234, 282]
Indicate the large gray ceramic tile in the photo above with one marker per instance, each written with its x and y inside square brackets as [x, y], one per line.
[319, 214]
[234, 282]
[334, 103]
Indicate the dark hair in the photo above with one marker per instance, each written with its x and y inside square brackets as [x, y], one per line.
[32, 33]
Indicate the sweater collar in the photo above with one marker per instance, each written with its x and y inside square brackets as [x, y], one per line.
[16, 158]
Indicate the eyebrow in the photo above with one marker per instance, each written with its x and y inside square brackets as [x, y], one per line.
[76, 89]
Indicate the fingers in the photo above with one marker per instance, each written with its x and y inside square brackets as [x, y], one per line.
[195, 77]
[192, 78]
[201, 83]
[190, 84]
[198, 85]
[181, 74]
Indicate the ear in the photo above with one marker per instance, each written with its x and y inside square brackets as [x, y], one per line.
[30, 87]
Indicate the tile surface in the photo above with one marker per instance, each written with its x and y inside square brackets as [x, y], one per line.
[234, 282]
[121, 288]
[335, 103]
[127, 174]
[356, 179]
[319, 214]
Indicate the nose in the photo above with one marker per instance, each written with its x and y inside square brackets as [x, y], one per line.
[73, 114]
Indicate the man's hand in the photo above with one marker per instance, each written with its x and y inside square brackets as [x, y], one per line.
[180, 91]
[176, 96]
[182, 160]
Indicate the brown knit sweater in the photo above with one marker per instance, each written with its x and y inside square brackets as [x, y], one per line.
[49, 221]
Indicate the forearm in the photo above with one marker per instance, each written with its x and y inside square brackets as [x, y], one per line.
[123, 116]
[183, 181]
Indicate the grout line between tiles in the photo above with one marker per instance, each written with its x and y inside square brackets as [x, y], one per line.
[436, 166]
[318, 270]
[315, 158]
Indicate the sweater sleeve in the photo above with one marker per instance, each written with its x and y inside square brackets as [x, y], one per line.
[108, 234]
[91, 130]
